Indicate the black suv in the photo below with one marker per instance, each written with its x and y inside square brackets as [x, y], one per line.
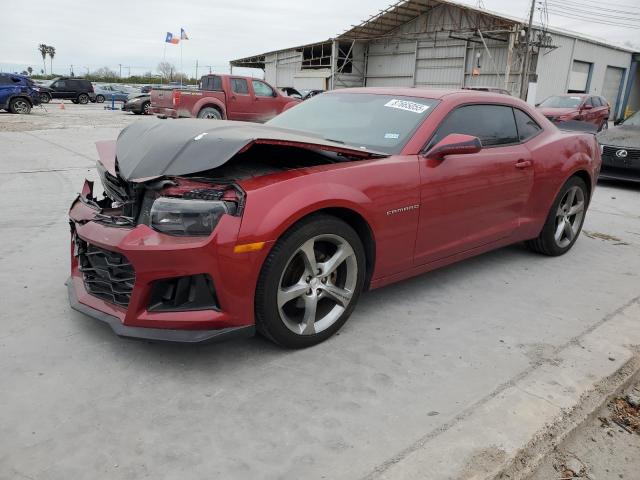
[78, 90]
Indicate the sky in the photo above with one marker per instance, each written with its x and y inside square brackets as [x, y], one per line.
[131, 33]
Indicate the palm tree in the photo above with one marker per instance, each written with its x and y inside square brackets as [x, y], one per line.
[43, 51]
[52, 53]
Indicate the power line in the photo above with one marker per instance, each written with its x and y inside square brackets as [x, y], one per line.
[597, 4]
[572, 4]
[602, 22]
[590, 13]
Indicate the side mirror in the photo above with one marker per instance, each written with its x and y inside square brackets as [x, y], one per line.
[455, 144]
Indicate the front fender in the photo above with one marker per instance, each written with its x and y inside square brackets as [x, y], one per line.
[269, 213]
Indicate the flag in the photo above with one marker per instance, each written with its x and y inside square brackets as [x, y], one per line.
[171, 39]
[183, 34]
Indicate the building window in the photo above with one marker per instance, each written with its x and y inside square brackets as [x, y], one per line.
[316, 56]
[345, 57]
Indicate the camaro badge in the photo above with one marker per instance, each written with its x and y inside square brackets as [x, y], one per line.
[403, 209]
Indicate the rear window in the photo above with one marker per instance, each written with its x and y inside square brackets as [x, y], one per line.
[212, 83]
[239, 85]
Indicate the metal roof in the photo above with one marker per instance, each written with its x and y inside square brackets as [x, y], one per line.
[389, 19]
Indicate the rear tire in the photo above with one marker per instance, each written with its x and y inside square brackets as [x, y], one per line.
[83, 98]
[146, 108]
[210, 113]
[19, 105]
[310, 282]
[45, 97]
[604, 126]
[564, 222]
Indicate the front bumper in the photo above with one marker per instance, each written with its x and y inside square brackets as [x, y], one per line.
[156, 334]
[158, 257]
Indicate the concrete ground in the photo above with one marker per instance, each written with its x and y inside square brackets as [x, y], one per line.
[448, 375]
[605, 447]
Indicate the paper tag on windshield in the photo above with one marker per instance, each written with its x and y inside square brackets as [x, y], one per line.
[407, 105]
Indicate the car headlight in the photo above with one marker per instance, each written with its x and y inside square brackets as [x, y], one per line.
[182, 217]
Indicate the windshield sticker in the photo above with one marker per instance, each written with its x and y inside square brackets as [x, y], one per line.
[392, 136]
[407, 105]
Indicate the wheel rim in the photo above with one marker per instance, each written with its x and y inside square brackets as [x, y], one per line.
[21, 106]
[569, 216]
[605, 125]
[317, 284]
[83, 99]
[147, 106]
[212, 115]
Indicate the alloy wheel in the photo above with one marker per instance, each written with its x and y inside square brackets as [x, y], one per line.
[21, 106]
[569, 216]
[317, 284]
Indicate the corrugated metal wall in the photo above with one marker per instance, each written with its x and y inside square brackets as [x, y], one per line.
[281, 67]
[554, 67]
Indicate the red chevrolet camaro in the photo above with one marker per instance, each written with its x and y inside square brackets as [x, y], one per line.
[211, 229]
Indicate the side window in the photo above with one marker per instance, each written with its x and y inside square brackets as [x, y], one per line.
[527, 126]
[492, 124]
[214, 83]
[239, 85]
[60, 85]
[261, 89]
[588, 101]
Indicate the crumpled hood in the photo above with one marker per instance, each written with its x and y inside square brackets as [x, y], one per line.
[621, 137]
[148, 149]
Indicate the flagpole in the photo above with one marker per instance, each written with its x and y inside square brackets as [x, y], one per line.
[181, 42]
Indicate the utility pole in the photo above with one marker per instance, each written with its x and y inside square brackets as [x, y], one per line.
[196, 70]
[524, 81]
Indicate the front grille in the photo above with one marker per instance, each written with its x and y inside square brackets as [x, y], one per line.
[610, 151]
[107, 275]
[115, 188]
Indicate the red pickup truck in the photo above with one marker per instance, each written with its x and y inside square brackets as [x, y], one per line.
[228, 97]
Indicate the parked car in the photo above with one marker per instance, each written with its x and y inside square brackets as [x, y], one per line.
[307, 94]
[291, 92]
[140, 104]
[586, 108]
[621, 150]
[107, 92]
[78, 90]
[222, 97]
[18, 93]
[215, 229]
[488, 89]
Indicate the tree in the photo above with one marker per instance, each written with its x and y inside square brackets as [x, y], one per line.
[29, 70]
[52, 53]
[166, 70]
[105, 72]
[43, 51]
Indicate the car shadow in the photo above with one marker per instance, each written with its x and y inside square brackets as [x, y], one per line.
[621, 184]
[258, 351]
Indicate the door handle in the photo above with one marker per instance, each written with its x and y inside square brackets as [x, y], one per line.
[523, 163]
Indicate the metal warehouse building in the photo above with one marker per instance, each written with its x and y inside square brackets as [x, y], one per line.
[442, 44]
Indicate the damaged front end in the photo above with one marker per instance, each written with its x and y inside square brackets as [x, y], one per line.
[153, 253]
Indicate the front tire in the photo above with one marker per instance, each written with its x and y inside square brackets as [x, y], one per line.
[45, 97]
[83, 98]
[565, 220]
[146, 108]
[100, 98]
[19, 105]
[210, 113]
[310, 282]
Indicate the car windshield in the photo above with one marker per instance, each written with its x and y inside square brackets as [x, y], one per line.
[633, 120]
[562, 102]
[377, 122]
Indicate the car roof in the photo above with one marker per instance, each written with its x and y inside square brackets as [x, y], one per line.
[431, 93]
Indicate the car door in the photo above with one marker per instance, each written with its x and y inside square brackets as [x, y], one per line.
[471, 200]
[239, 100]
[61, 89]
[589, 112]
[265, 101]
